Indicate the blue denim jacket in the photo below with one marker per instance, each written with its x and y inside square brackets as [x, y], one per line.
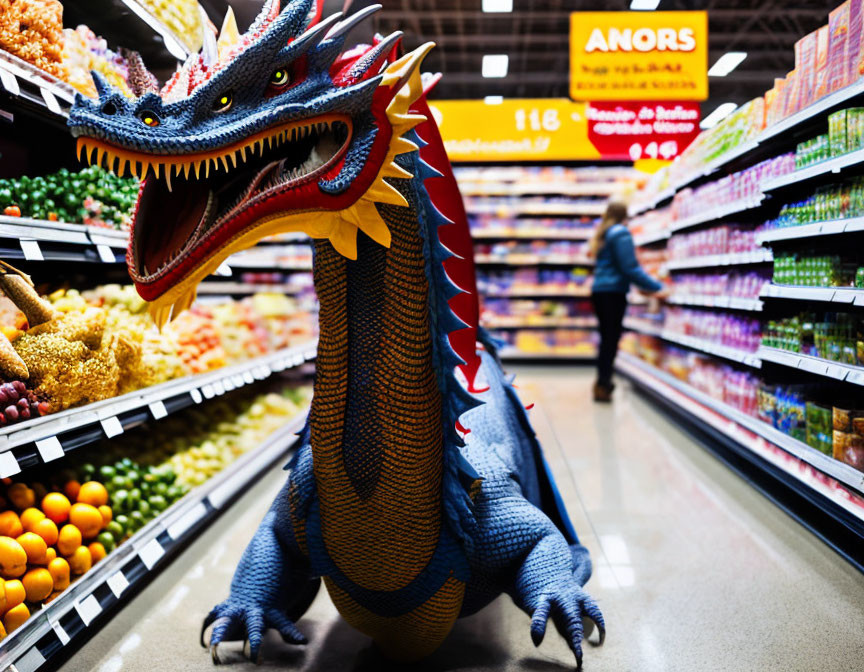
[617, 265]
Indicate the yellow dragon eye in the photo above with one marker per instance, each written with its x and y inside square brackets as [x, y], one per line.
[280, 77]
[149, 119]
[223, 102]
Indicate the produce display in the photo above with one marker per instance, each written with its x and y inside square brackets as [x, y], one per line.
[91, 196]
[84, 52]
[32, 30]
[56, 522]
[181, 17]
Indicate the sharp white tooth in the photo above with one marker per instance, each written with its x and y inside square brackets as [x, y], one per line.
[168, 176]
[145, 272]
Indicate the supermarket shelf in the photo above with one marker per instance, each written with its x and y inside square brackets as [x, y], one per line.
[717, 349]
[829, 166]
[539, 292]
[26, 82]
[844, 295]
[530, 260]
[660, 197]
[709, 301]
[527, 188]
[843, 473]
[105, 588]
[542, 323]
[651, 238]
[547, 209]
[715, 214]
[516, 355]
[38, 240]
[817, 365]
[45, 439]
[813, 230]
[531, 234]
[643, 327]
[729, 259]
[242, 289]
[820, 107]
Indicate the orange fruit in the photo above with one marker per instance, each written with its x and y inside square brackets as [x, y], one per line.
[21, 496]
[38, 584]
[2, 632]
[15, 594]
[13, 558]
[29, 517]
[107, 515]
[10, 524]
[47, 529]
[93, 493]
[71, 490]
[59, 569]
[2, 596]
[50, 554]
[80, 561]
[69, 539]
[56, 507]
[35, 548]
[86, 518]
[97, 551]
[16, 617]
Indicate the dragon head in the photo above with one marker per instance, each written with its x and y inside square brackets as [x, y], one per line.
[273, 131]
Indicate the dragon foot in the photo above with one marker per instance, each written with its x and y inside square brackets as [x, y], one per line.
[575, 615]
[232, 621]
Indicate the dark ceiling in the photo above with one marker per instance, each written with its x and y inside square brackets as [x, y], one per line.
[535, 36]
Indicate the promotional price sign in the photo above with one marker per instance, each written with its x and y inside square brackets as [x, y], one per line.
[638, 56]
[557, 129]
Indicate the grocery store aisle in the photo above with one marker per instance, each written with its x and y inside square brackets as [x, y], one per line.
[694, 570]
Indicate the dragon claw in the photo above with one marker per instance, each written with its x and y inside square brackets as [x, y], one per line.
[249, 623]
[575, 615]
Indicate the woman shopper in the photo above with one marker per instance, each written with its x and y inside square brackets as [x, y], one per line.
[616, 267]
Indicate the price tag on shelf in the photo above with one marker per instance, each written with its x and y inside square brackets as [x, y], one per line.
[106, 254]
[88, 609]
[29, 662]
[856, 377]
[248, 378]
[9, 82]
[49, 449]
[8, 464]
[228, 384]
[813, 366]
[111, 426]
[833, 227]
[150, 553]
[158, 410]
[224, 271]
[31, 250]
[218, 388]
[836, 371]
[844, 296]
[117, 582]
[61, 633]
[51, 101]
[187, 521]
[196, 396]
[208, 391]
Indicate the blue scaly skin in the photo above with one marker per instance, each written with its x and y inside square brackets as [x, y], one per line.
[409, 522]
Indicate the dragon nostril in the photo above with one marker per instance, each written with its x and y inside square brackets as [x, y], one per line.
[109, 109]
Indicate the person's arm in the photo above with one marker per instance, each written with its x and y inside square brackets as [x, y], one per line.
[625, 257]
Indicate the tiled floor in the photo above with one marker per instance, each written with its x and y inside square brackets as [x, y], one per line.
[694, 570]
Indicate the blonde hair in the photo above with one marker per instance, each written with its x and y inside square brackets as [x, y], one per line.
[616, 212]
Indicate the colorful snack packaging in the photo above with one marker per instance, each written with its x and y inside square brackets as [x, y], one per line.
[838, 37]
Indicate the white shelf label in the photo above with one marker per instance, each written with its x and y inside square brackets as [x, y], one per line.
[88, 609]
[8, 464]
[208, 392]
[51, 101]
[111, 426]
[248, 378]
[150, 553]
[117, 582]
[813, 366]
[856, 377]
[49, 449]
[9, 82]
[224, 271]
[61, 633]
[196, 396]
[218, 388]
[30, 661]
[31, 250]
[187, 521]
[106, 254]
[228, 384]
[158, 410]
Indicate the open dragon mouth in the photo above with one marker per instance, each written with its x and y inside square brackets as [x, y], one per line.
[184, 198]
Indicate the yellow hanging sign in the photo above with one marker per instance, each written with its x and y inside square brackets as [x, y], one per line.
[638, 56]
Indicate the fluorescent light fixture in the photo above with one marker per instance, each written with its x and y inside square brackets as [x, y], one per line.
[727, 63]
[644, 5]
[493, 100]
[721, 112]
[497, 6]
[495, 65]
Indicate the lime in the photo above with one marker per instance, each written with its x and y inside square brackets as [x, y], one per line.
[107, 472]
[145, 509]
[106, 540]
[158, 502]
[115, 529]
[122, 520]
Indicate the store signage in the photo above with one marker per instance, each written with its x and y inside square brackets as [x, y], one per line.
[557, 129]
[638, 56]
[646, 130]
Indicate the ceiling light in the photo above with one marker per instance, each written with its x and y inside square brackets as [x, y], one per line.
[644, 5]
[493, 6]
[495, 65]
[721, 112]
[493, 100]
[727, 63]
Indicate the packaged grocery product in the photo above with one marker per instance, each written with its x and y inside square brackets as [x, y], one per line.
[837, 135]
[838, 29]
[820, 74]
[854, 51]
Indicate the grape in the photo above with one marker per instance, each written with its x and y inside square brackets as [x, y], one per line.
[20, 388]
[11, 413]
[11, 395]
[24, 413]
[4, 398]
[22, 404]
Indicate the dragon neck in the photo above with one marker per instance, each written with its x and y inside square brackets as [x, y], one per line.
[376, 424]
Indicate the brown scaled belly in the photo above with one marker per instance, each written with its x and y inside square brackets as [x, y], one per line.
[411, 636]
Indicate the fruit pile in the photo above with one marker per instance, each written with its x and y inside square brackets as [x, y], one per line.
[45, 539]
[19, 403]
[33, 31]
[84, 52]
[182, 17]
[92, 196]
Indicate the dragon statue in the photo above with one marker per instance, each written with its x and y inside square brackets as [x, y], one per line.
[420, 492]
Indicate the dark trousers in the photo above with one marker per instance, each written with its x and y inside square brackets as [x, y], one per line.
[609, 307]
